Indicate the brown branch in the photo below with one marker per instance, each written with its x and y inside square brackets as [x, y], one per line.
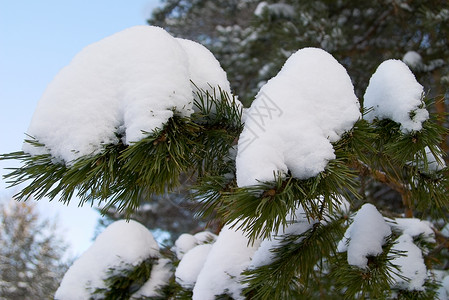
[442, 242]
[391, 182]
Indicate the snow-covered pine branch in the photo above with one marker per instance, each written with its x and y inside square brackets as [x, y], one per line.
[285, 178]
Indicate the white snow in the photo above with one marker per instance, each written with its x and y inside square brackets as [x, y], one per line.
[412, 59]
[429, 164]
[394, 94]
[205, 70]
[229, 256]
[411, 265]
[204, 237]
[277, 9]
[443, 291]
[120, 244]
[365, 236]
[295, 117]
[415, 227]
[434, 164]
[183, 244]
[368, 232]
[191, 264]
[260, 8]
[126, 84]
[186, 241]
[160, 275]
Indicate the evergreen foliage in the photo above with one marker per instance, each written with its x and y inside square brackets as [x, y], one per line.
[295, 264]
[252, 47]
[122, 175]
[121, 284]
[379, 151]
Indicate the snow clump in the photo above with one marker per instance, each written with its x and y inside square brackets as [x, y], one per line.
[228, 257]
[365, 236]
[434, 163]
[191, 264]
[185, 242]
[192, 251]
[160, 276]
[411, 265]
[206, 73]
[120, 245]
[315, 97]
[414, 228]
[119, 89]
[412, 59]
[393, 93]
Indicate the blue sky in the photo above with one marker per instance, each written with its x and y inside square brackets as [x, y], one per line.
[37, 39]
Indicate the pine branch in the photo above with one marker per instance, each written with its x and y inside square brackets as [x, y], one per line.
[388, 180]
[264, 208]
[373, 282]
[394, 158]
[122, 283]
[120, 175]
[172, 289]
[220, 119]
[295, 262]
[430, 292]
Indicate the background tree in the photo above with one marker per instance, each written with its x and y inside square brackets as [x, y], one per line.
[252, 39]
[31, 253]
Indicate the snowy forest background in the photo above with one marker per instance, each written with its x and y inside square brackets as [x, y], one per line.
[252, 40]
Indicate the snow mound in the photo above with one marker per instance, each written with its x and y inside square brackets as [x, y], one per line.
[121, 244]
[295, 117]
[393, 93]
[365, 236]
[185, 242]
[205, 70]
[415, 227]
[119, 88]
[191, 264]
[229, 256]
[160, 276]
[412, 59]
[411, 265]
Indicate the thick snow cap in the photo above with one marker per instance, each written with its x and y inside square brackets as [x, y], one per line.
[295, 117]
[412, 265]
[205, 71]
[126, 84]
[121, 244]
[393, 93]
[365, 236]
[221, 271]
